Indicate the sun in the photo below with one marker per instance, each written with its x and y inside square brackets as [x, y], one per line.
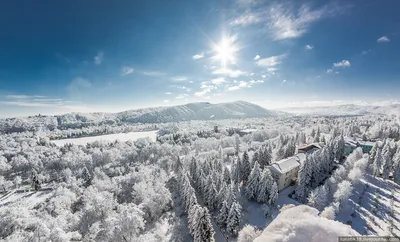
[225, 51]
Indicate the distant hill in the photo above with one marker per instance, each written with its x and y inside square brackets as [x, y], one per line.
[342, 110]
[190, 111]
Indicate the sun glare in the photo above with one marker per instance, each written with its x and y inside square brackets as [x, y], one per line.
[225, 51]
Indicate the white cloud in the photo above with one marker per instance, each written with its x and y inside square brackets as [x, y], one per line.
[257, 57]
[343, 63]
[198, 56]
[39, 101]
[283, 81]
[180, 96]
[256, 81]
[233, 88]
[168, 93]
[218, 81]
[242, 84]
[365, 52]
[329, 71]
[286, 24]
[126, 70]
[179, 78]
[383, 39]
[153, 73]
[98, 59]
[309, 47]
[247, 19]
[271, 61]
[228, 72]
[166, 101]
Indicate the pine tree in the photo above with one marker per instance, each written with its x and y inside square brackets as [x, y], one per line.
[245, 167]
[221, 196]
[318, 197]
[234, 219]
[396, 175]
[387, 165]
[339, 148]
[86, 177]
[312, 133]
[223, 214]
[265, 186]
[237, 141]
[192, 218]
[253, 182]
[178, 165]
[204, 230]
[317, 136]
[377, 163]
[280, 154]
[227, 175]
[304, 179]
[373, 152]
[273, 194]
[209, 196]
[35, 181]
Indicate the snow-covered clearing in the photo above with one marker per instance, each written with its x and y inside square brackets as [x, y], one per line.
[108, 137]
[25, 199]
[377, 207]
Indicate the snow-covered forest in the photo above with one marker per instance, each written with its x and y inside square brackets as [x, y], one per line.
[199, 181]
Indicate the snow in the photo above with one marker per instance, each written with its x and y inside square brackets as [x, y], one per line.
[376, 206]
[108, 137]
[302, 223]
[288, 164]
[25, 199]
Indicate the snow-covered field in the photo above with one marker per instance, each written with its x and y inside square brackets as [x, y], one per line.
[108, 137]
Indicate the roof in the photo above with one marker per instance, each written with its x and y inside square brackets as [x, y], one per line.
[309, 146]
[248, 130]
[288, 164]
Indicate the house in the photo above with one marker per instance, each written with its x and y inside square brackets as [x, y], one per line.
[285, 171]
[246, 131]
[308, 149]
[351, 145]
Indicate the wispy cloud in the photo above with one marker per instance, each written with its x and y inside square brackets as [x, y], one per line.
[247, 19]
[343, 63]
[153, 73]
[98, 59]
[198, 56]
[309, 47]
[383, 39]
[181, 96]
[228, 72]
[256, 57]
[166, 101]
[40, 101]
[366, 52]
[179, 78]
[285, 21]
[329, 71]
[218, 81]
[271, 61]
[126, 70]
[168, 93]
[283, 81]
[243, 84]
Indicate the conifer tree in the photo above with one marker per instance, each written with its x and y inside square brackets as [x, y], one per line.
[265, 186]
[245, 167]
[253, 182]
[387, 165]
[378, 162]
[227, 175]
[204, 230]
[273, 194]
[223, 214]
[234, 219]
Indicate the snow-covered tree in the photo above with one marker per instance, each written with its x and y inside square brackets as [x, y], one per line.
[377, 163]
[245, 168]
[329, 213]
[227, 175]
[204, 230]
[234, 219]
[318, 197]
[253, 182]
[247, 234]
[223, 214]
[343, 192]
[265, 186]
[304, 180]
[86, 177]
[339, 147]
[273, 195]
[387, 165]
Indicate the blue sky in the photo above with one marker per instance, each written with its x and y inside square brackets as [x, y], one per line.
[63, 56]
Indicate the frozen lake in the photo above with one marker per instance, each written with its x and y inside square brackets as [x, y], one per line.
[108, 137]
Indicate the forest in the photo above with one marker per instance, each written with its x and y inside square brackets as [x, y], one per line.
[196, 182]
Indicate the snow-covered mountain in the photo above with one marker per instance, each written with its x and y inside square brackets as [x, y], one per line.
[348, 109]
[195, 111]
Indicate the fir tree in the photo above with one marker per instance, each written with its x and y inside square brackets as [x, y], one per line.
[178, 165]
[378, 163]
[304, 179]
[265, 186]
[204, 230]
[273, 194]
[234, 219]
[227, 175]
[245, 167]
[253, 182]
[223, 214]
[86, 177]
[387, 165]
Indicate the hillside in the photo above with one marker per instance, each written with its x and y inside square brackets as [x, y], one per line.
[191, 111]
[349, 109]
